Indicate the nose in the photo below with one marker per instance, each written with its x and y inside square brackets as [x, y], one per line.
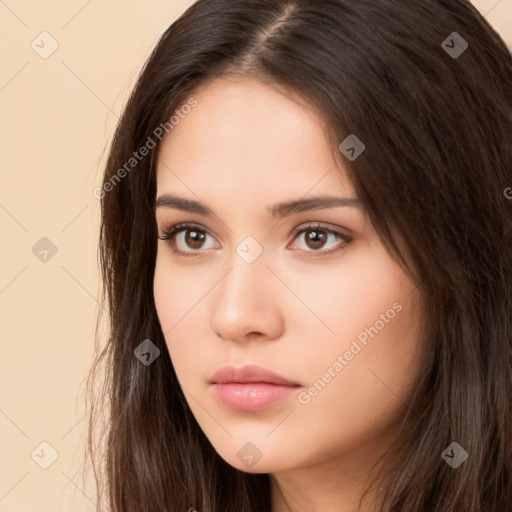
[247, 304]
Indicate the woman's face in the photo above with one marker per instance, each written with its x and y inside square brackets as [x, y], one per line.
[277, 287]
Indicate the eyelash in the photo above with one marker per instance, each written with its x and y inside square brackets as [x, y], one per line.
[169, 233]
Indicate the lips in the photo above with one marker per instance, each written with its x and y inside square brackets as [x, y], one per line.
[249, 374]
[250, 388]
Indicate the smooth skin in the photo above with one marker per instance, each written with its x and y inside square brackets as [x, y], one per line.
[299, 305]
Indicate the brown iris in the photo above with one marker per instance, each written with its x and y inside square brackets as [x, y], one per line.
[194, 238]
[315, 238]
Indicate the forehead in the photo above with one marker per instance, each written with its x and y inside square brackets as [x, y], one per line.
[245, 135]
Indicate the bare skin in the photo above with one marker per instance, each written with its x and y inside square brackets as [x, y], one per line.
[296, 309]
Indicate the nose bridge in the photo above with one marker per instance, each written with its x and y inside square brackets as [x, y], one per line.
[245, 283]
[244, 303]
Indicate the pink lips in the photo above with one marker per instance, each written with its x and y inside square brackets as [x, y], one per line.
[250, 388]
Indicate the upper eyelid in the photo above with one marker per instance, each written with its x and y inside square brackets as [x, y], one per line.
[185, 225]
[303, 226]
[179, 227]
[319, 225]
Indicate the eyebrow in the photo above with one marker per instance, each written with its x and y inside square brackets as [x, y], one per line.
[278, 210]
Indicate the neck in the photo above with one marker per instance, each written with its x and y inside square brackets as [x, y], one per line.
[335, 484]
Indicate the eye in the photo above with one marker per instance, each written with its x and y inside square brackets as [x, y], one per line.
[192, 236]
[185, 235]
[318, 236]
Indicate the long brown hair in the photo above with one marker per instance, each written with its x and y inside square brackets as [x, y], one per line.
[427, 87]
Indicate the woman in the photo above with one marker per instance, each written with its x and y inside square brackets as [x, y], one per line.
[305, 246]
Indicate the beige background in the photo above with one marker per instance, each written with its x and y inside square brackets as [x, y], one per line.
[57, 117]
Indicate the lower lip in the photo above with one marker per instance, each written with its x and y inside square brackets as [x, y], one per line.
[253, 396]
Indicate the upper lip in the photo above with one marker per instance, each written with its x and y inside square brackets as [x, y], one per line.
[249, 373]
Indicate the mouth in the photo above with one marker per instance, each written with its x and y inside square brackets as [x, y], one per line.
[250, 388]
[252, 396]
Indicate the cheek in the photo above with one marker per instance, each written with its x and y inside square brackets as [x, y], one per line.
[338, 302]
[372, 383]
[374, 309]
[164, 301]
[180, 298]
[178, 290]
[166, 289]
